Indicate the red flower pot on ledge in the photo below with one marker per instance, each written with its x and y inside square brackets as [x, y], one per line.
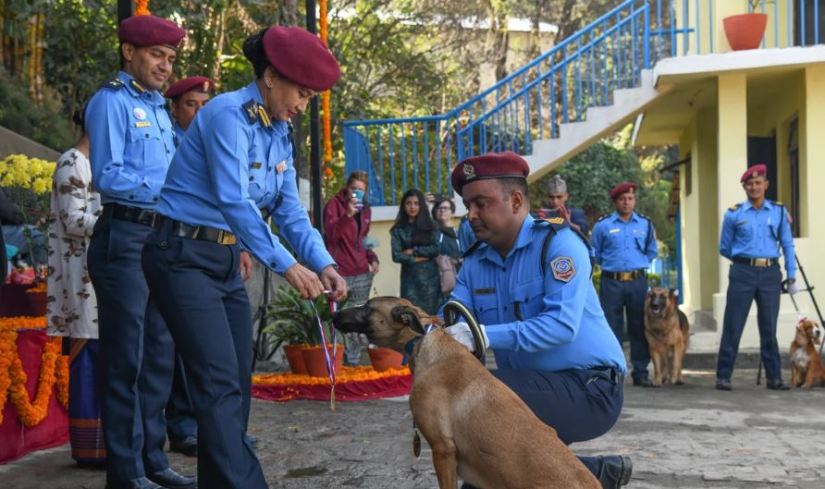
[385, 358]
[745, 31]
[295, 358]
[315, 360]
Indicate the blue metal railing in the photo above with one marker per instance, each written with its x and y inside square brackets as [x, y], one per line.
[557, 87]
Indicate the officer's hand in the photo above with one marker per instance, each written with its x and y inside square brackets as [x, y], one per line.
[305, 281]
[793, 289]
[462, 333]
[334, 282]
[245, 266]
[374, 267]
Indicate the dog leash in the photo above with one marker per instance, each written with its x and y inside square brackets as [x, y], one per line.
[329, 360]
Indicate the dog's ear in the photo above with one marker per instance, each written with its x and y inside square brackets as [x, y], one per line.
[408, 316]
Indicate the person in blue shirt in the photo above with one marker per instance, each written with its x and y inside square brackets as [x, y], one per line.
[234, 166]
[527, 281]
[557, 196]
[624, 243]
[186, 97]
[466, 238]
[752, 233]
[131, 146]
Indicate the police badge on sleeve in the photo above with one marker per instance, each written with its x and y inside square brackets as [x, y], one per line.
[563, 268]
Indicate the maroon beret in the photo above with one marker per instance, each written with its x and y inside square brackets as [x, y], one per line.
[148, 30]
[622, 188]
[301, 58]
[487, 166]
[754, 171]
[199, 83]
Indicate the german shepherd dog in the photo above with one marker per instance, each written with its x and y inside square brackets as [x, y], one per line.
[666, 330]
[478, 428]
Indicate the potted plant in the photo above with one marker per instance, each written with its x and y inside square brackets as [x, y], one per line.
[745, 31]
[385, 358]
[292, 321]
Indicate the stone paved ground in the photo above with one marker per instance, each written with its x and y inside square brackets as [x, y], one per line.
[690, 437]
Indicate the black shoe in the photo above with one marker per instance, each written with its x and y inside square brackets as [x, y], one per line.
[642, 382]
[616, 471]
[139, 483]
[172, 480]
[776, 385]
[188, 446]
[723, 385]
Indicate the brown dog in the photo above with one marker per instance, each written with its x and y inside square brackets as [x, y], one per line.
[478, 428]
[806, 364]
[666, 330]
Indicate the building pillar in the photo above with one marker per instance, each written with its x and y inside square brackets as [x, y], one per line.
[732, 149]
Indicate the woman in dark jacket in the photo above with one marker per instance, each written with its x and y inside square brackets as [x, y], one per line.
[415, 246]
[9, 214]
[448, 245]
[346, 224]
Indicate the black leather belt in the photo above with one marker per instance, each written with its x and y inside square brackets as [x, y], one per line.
[625, 276]
[137, 215]
[201, 233]
[756, 262]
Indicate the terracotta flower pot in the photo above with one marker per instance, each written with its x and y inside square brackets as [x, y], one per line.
[315, 361]
[385, 359]
[745, 31]
[295, 358]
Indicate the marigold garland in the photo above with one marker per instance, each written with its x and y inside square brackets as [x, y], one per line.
[346, 374]
[142, 7]
[54, 372]
[325, 96]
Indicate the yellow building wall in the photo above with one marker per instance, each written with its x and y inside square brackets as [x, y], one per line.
[388, 279]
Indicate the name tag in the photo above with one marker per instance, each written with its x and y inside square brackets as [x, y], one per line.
[257, 165]
[484, 291]
[615, 230]
[143, 124]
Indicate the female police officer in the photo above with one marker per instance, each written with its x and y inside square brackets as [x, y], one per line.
[234, 164]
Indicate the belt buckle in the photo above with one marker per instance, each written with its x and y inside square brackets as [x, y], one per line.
[225, 238]
[625, 276]
[761, 262]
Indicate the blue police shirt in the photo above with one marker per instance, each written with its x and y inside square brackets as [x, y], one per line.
[551, 322]
[749, 232]
[131, 142]
[233, 162]
[179, 133]
[620, 246]
[466, 236]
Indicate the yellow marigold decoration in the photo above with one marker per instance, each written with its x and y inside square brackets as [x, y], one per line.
[39, 288]
[30, 173]
[325, 96]
[345, 374]
[142, 7]
[54, 372]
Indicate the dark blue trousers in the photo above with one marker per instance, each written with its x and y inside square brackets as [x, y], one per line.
[627, 299]
[199, 291]
[746, 283]
[180, 415]
[579, 404]
[136, 352]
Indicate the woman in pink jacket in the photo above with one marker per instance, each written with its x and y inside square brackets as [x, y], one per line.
[346, 224]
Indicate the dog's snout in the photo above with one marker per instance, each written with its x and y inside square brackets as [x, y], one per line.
[352, 320]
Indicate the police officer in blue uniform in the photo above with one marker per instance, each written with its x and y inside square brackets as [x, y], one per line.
[557, 196]
[131, 147]
[186, 97]
[234, 164]
[528, 282]
[624, 243]
[752, 233]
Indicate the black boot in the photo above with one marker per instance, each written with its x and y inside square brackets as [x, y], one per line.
[615, 471]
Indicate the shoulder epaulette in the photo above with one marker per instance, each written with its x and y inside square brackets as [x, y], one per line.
[556, 223]
[602, 218]
[643, 216]
[734, 207]
[472, 248]
[251, 110]
[115, 84]
[137, 86]
[780, 204]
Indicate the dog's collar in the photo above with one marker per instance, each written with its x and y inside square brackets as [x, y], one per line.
[409, 348]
